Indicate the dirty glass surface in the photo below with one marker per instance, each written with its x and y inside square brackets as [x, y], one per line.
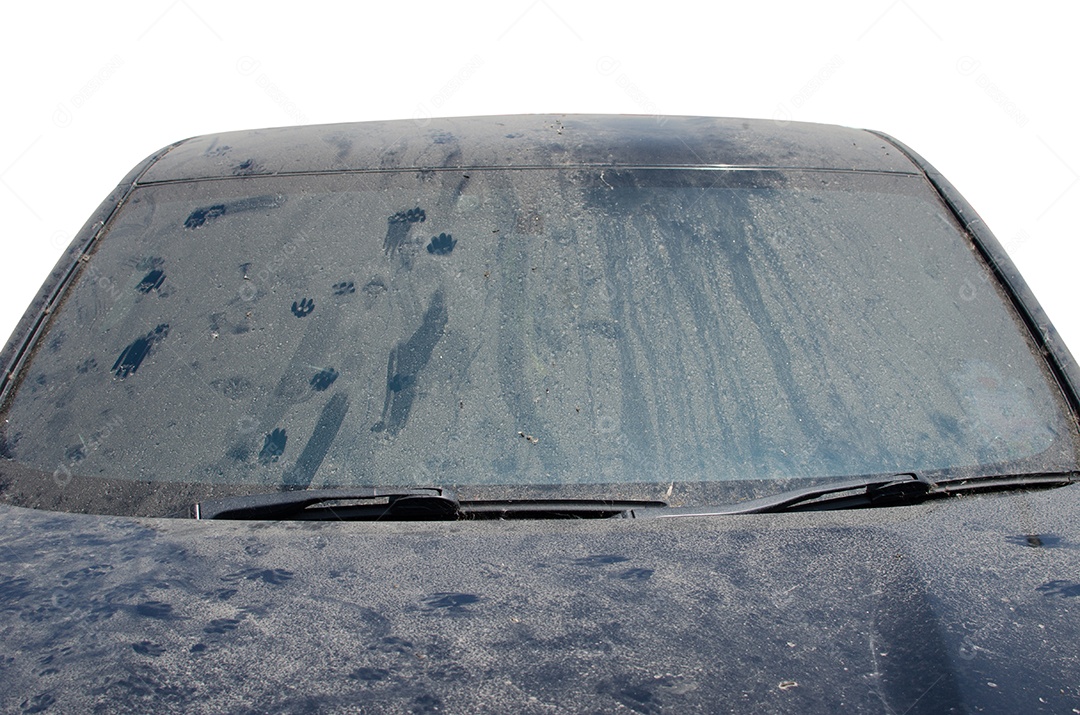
[676, 334]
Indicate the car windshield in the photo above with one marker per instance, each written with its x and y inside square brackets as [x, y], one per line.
[687, 335]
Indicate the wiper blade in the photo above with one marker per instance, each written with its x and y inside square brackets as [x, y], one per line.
[867, 491]
[414, 504]
[999, 482]
[878, 491]
[554, 508]
[364, 503]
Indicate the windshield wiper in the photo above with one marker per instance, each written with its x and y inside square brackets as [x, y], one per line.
[878, 491]
[439, 504]
[413, 504]
[364, 503]
[846, 494]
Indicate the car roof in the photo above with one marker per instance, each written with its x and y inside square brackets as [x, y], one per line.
[523, 141]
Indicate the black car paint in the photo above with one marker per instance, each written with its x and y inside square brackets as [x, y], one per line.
[863, 611]
[959, 605]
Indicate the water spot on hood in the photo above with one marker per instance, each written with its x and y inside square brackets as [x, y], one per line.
[221, 626]
[1036, 541]
[600, 560]
[155, 609]
[1060, 588]
[451, 600]
[637, 695]
[369, 675]
[636, 574]
[274, 577]
[148, 648]
[257, 549]
[426, 703]
[37, 704]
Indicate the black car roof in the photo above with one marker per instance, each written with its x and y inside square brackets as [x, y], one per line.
[528, 141]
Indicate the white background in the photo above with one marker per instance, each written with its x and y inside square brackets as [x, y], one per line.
[985, 92]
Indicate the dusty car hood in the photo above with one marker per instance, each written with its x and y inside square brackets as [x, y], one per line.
[962, 605]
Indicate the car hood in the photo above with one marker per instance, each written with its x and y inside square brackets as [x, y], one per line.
[961, 605]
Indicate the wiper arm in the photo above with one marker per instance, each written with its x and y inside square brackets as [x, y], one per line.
[364, 503]
[878, 491]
